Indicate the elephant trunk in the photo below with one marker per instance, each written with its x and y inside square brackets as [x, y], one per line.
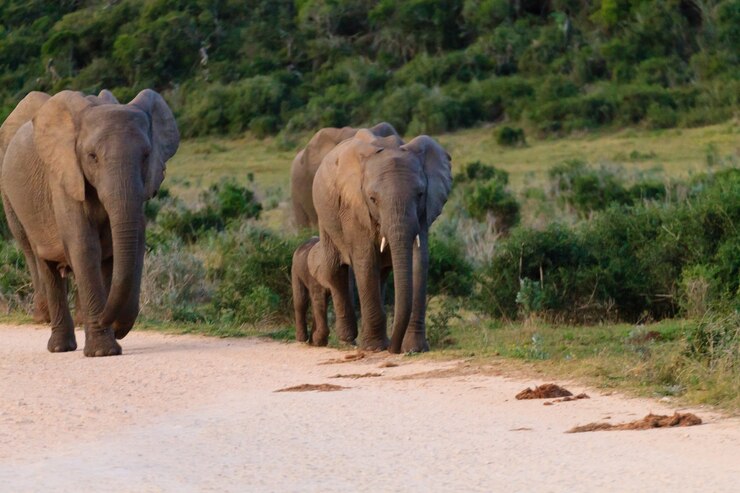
[401, 244]
[127, 225]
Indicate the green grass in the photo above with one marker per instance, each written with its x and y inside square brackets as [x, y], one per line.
[678, 152]
[650, 361]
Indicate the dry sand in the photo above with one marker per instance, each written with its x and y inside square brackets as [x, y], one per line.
[190, 413]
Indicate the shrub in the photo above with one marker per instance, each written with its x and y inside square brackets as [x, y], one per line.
[450, 272]
[586, 189]
[661, 116]
[173, 284]
[15, 281]
[510, 136]
[223, 202]
[478, 171]
[491, 199]
[253, 274]
[716, 339]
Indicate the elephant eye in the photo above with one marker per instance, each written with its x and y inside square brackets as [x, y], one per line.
[93, 157]
[145, 156]
[374, 200]
[420, 194]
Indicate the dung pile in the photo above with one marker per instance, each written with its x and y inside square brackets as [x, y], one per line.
[545, 391]
[313, 387]
[648, 422]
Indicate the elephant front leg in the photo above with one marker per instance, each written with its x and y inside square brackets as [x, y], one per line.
[415, 340]
[86, 263]
[62, 328]
[373, 336]
[344, 309]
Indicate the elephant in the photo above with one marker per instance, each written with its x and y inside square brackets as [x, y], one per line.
[23, 113]
[307, 162]
[75, 175]
[307, 288]
[375, 200]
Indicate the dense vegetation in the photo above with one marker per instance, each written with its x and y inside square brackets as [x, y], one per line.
[424, 65]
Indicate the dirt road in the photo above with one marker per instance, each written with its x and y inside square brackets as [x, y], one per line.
[188, 413]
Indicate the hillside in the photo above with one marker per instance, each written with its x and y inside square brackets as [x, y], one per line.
[426, 66]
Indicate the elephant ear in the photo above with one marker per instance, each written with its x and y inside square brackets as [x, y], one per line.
[350, 157]
[104, 97]
[385, 129]
[438, 169]
[323, 142]
[164, 134]
[55, 137]
[24, 112]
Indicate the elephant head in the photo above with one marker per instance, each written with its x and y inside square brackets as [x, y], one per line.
[308, 160]
[394, 193]
[96, 149]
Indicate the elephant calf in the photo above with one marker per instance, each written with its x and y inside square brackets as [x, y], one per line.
[305, 288]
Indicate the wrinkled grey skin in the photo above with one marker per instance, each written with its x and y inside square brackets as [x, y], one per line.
[366, 189]
[307, 162]
[75, 174]
[307, 288]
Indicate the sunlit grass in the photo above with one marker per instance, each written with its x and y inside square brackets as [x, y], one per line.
[200, 162]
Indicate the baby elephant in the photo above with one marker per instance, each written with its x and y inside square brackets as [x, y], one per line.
[305, 288]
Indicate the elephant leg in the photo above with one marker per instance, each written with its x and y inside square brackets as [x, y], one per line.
[319, 300]
[415, 340]
[79, 317]
[62, 328]
[344, 310]
[300, 306]
[86, 263]
[373, 335]
[40, 305]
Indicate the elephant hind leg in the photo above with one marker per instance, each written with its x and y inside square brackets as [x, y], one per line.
[62, 327]
[300, 306]
[319, 306]
[40, 304]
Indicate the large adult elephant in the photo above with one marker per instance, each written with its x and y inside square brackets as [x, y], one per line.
[307, 162]
[75, 174]
[375, 200]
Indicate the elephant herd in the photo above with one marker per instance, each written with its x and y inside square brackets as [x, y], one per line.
[75, 172]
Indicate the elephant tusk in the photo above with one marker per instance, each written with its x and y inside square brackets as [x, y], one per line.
[382, 245]
[418, 241]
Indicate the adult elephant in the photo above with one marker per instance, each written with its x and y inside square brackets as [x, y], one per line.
[74, 179]
[307, 162]
[23, 113]
[375, 200]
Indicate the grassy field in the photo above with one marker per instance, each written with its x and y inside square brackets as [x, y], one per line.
[678, 152]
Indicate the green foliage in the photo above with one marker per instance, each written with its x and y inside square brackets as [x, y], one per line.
[510, 136]
[450, 271]
[628, 262]
[587, 189]
[253, 275]
[223, 203]
[491, 198]
[478, 171]
[426, 66]
[15, 281]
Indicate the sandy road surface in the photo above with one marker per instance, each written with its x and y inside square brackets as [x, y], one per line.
[187, 413]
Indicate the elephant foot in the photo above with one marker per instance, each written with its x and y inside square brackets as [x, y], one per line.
[414, 343]
[62, 341]
[374, 344]
[301, 336]
[121, 329]
[348, 344]
[101, 342]
[319, 339]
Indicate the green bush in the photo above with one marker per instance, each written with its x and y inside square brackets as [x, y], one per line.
[491, 198]
[476, 171]
[223, 203]
[628, 262]
[252, 275]
[587, 189]
[15, 281]
[450, 271]
[510, 136]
